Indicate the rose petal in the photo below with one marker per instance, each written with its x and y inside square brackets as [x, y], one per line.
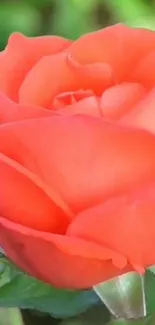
[125, 224]
[83, 263]
[142, 115]
[11, 111]
[118, 45]
[87, 106]
[70, 97]
[144, 71]
[22, 201]
[20, 55]
[57, 74]
[118, 100]
[84, 159]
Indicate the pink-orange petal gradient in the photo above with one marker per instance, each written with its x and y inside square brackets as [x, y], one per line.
[143, 72]
[70, 97]
[87, 106]
[63, 261]
[125, 223]
[120, 99]
[118, 45]
[20, 55]
[84, 159]
[57, 74]
[11, 111]
[142, 115]
[24, 202]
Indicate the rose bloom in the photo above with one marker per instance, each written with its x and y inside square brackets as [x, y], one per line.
[77, 155]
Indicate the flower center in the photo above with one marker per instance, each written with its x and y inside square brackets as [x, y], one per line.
[70, 97]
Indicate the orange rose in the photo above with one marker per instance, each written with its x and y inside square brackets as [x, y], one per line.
[77, 155]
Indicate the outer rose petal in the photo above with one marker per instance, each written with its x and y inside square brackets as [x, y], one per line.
[56, 74]
[11, 111]
[24, 202]
[119, 46]
[20, 55]
[142, 115]
[85, 159]
[63, 261]
[125, 223]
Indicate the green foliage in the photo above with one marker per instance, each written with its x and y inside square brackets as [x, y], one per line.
[10, 316]
[71, 18]
[149, 282]
[19, 290]
[97, 315]
[74, 307]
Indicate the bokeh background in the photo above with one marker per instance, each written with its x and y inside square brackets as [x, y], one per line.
[71, 18]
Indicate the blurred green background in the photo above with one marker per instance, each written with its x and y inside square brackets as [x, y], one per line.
[71, 18]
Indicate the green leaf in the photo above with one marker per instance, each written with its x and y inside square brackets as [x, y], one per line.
[26, 292]
[149, 284]
[33, 317]
[97, 315]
